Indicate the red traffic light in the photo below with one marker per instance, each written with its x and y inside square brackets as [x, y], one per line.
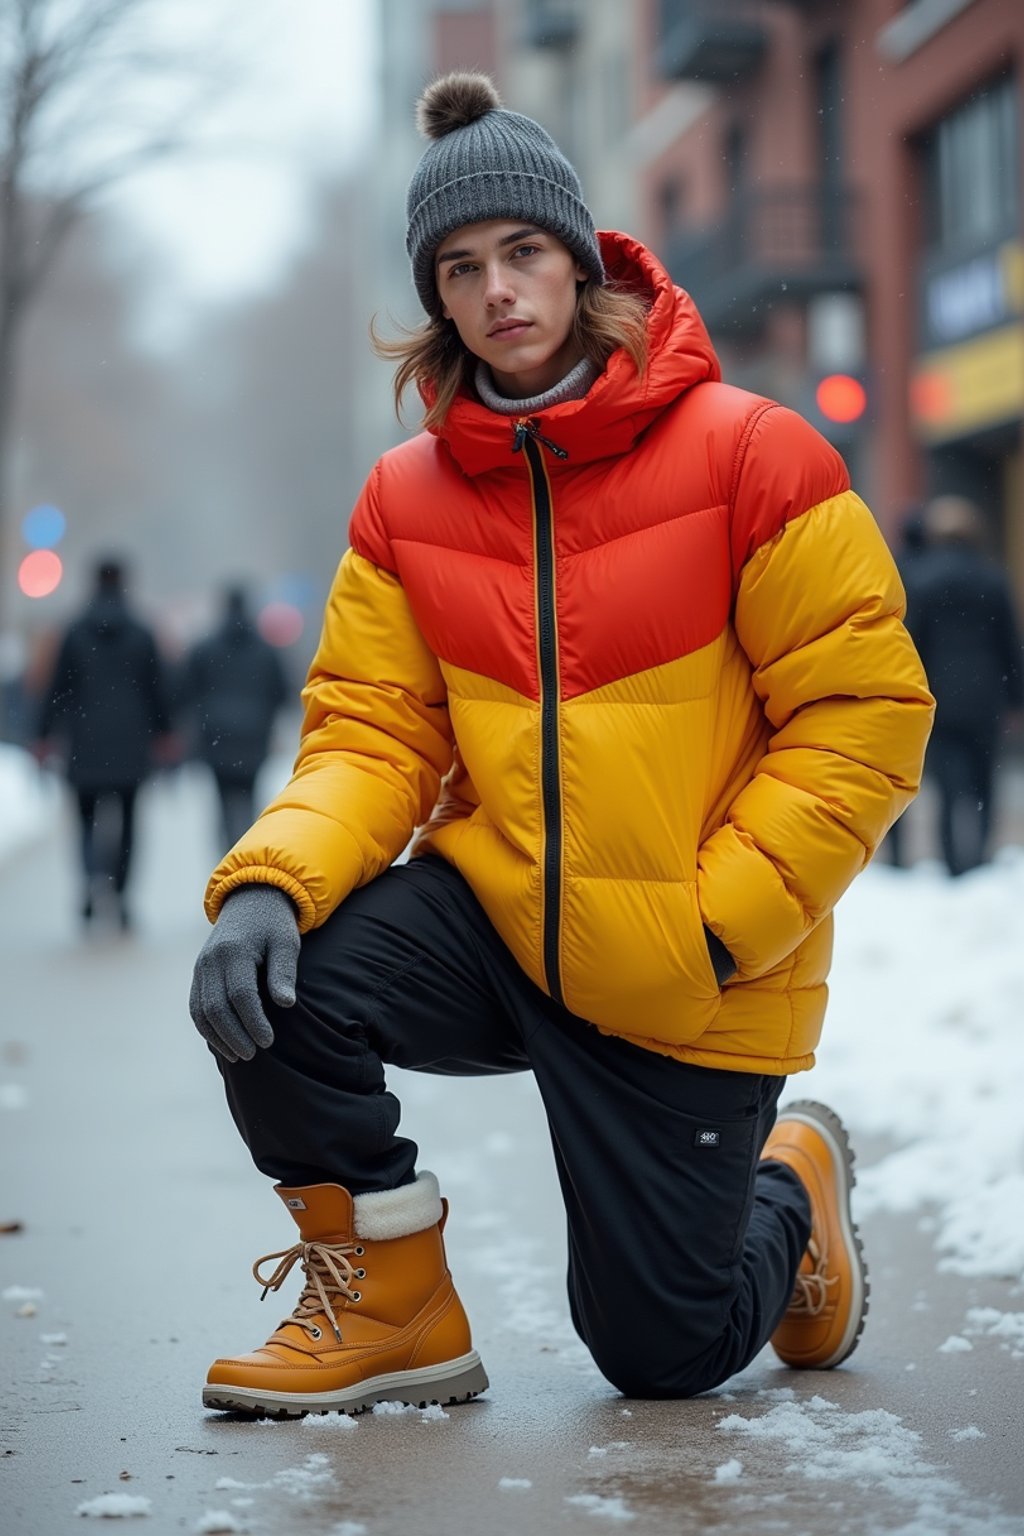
[40, 573]
[841, 397]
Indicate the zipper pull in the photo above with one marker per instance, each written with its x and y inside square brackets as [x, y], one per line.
[525, 427]
[559, 453]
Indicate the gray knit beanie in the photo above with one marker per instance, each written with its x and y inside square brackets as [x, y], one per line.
[485, 162]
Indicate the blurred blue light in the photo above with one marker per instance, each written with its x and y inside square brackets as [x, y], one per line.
[43, 527]
[293, 587]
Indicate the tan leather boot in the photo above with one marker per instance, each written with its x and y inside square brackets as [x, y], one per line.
[378, 1319]
[825, 1319]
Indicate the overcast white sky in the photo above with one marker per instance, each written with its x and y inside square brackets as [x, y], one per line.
[297, 103]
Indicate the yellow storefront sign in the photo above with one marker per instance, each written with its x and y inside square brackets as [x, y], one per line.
[966, 388]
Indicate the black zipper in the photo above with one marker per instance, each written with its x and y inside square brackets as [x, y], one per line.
[526, 437]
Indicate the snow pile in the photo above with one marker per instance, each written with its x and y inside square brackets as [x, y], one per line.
[873, 1448]
[607, 1509]
[515, 1482]
[115, 1506]
[729, 1472]
[432, 1414]
[27, 799]
[218, 1520]
[1007, 1327]
[923, 1045]
[303, 1482]
[22, 1293]
[341, 1422]
[348, 1528]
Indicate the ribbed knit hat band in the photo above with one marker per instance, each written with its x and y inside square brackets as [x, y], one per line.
[485, 162]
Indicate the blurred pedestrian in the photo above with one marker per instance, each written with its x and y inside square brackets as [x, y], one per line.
[962, 618]
[624, 644]
[234, 685]
[909, 561]
[105, 709]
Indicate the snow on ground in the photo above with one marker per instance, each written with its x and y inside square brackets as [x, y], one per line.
[825, 1443]
[28, 799]
[923, 1046]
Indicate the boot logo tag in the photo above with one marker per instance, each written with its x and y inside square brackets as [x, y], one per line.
[295, 1204]
[707, 1139]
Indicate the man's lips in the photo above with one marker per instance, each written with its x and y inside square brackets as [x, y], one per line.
[509, 328]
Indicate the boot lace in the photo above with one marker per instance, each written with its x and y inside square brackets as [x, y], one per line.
[810, 1296]
[329, 1275]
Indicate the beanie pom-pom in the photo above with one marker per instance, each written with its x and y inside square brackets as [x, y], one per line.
[453, 101]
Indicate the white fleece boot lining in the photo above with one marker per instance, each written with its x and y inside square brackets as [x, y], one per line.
[398, 1212]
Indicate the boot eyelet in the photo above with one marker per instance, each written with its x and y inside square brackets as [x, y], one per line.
[357, 1295]
[317, 1333]
[360, 1251]
[360, 1274]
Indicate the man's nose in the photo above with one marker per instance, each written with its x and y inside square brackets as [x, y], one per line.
[498, 289]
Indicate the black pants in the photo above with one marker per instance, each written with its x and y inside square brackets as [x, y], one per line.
[961, 763]
[107, 851]
[682, 1250]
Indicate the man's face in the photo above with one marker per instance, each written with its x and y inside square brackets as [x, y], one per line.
[510, 290]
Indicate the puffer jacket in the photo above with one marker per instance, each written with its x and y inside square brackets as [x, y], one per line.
[637, 668]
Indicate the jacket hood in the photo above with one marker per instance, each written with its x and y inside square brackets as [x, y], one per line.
[620, 404]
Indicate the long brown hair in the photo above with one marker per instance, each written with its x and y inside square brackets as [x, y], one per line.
[433, 357]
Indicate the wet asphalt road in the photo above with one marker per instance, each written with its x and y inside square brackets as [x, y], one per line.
[142, 1217]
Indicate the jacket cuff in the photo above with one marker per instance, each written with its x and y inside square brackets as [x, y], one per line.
[722, 962]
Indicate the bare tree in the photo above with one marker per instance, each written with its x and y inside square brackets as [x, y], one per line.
[88, 96]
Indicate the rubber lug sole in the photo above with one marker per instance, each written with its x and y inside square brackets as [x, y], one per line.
[417, 1389]
[828, 1123]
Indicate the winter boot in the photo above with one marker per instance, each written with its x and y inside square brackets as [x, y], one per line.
[825, 1319]
[378, 1319]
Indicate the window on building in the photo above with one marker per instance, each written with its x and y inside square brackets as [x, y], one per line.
[973, 168]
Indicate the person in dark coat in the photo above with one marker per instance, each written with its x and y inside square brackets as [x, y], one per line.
[963, 622]
[234, 685]
[910, 557]
[105, 707]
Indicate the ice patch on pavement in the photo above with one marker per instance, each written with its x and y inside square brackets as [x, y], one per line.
[22, 1293]
[514, 1482]
[13, 1096]
[348, 1528]
[607, 1509]
[115, 1506]
[927, 976]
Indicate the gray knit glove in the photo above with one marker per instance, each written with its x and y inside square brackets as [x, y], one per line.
[257, 927]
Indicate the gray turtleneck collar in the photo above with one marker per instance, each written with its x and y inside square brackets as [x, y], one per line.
[574, 386]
